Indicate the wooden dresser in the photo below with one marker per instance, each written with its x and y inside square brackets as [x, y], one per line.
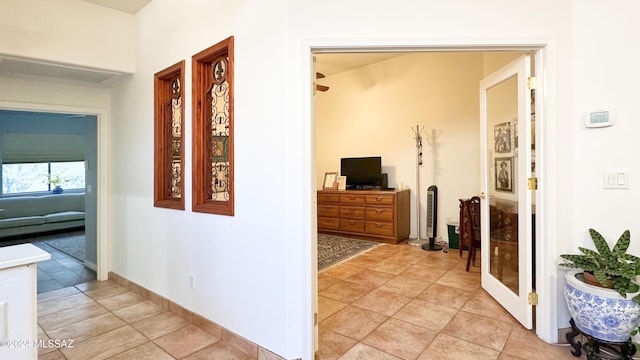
[380, 215]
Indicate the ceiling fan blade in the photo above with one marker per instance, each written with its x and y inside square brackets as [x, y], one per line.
[319, 75]
[321, 88]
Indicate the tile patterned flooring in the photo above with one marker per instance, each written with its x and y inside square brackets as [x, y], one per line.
[392, 302]
[105, 320]
[61, 270]
[401, 302]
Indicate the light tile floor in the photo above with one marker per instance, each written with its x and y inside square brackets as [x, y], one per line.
[61, 270]
[104, 320]
[392, 302]
[401, 302]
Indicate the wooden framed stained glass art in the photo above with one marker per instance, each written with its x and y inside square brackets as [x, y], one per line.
[168, 87]
[212, 107]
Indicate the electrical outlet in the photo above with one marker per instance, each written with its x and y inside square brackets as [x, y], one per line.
[192, 281]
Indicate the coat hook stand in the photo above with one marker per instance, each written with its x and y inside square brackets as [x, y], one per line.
[417, 131]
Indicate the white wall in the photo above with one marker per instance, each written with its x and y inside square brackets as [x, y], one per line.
[371, 111]
[53, 93]
[242, 265]
[604, 74]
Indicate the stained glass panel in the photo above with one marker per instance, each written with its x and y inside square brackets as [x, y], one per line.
[169, 137]
[213, 129]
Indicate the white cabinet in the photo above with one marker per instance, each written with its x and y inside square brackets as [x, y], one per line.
[18, 301]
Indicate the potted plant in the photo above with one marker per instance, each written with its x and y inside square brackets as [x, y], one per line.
[609, 309]
[56, 182]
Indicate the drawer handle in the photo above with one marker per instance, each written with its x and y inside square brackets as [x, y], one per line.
[352, 210]
[352, 222]
[352, 197]
[379, 198]
[379, 225]
[379, 211]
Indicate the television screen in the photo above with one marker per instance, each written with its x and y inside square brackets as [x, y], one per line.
[361, 172]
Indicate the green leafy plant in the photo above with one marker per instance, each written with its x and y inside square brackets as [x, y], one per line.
[606, 264]
[56, 180]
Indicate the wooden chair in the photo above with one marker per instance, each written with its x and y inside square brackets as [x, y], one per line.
[470, 228]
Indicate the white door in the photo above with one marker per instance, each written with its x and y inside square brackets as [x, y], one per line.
[506, 205]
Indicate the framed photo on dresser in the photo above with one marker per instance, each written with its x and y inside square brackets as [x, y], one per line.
[342, 182]
[330, 180]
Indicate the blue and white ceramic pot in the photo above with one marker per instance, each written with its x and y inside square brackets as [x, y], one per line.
[600, 312]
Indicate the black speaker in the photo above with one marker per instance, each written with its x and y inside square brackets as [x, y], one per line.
[384, 181]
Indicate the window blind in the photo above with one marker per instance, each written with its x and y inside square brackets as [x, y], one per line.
[29, 148]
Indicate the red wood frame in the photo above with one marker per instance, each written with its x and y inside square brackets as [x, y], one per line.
[202, 81]
[162, 86]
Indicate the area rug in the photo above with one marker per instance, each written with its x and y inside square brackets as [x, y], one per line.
[73, 246]
[334, 249]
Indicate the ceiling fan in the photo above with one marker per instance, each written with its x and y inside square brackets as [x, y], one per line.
[319, 87]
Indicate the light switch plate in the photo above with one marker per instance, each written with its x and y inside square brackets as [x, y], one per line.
[616, 179]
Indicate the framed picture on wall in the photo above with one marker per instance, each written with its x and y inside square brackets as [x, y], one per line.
[502, 137]
[330, 180]
[504, 174]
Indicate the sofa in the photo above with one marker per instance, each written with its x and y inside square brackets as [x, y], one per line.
[35, 214]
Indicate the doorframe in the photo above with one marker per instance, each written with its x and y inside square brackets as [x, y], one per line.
[103, 256]
[545, 69]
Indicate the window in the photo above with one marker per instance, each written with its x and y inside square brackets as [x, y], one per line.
[33, 177]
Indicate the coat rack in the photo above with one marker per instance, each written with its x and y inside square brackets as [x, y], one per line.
[417, 131]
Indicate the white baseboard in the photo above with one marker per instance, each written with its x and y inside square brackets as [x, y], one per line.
[91, 265]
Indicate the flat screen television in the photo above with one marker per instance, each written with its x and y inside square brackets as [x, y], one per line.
[361, 172]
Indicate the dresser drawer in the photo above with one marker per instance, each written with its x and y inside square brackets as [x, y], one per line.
[380, 228]
[379, 214]
[328, 198]
[352, 225]
[328, 210]
[328, 223]
[352, 212]
[351, 199]
[379, 199]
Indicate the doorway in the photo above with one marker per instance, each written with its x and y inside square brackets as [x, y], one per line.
[546, 323]
[96, 179]
[53, 156]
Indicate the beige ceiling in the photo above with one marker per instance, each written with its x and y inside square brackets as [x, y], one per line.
[330, 64]
[128, 6]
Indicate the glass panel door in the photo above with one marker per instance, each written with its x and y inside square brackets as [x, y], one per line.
[506, 207]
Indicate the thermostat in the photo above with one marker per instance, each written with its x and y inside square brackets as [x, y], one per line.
[598, 118]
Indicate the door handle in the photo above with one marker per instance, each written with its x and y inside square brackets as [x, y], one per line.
[482, 195]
